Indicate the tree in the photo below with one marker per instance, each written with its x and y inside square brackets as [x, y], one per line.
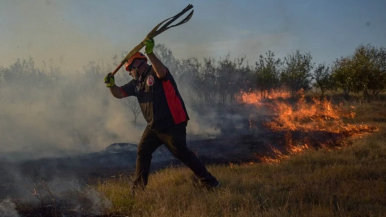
[95, 70]
[369, 68]
[240, 76]
[133, 105]
[343, 75]
[267, 71]
[296, 74]
[167, 58]
[246, 76]
[364, 71]
[209, 76]
[227, 77]
[14, 72]
[322, 76]
[190, 78]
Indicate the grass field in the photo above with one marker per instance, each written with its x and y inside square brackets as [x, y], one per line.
[344, 182]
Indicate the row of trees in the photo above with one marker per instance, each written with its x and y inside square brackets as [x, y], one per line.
[25, 70]
[220, 81]
[209, 82]
[364, 71]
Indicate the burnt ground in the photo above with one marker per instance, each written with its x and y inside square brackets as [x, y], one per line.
[119, 159]
[238, 142]
[69, 174]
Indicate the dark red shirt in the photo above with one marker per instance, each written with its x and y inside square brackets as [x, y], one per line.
[160, 101]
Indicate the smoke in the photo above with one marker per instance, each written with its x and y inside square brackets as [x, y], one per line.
[99, 203]
[75, 114]
[200, 125]
[71, 111]
[68, 192]
[65, 114]
[34, 191]
[7, 208]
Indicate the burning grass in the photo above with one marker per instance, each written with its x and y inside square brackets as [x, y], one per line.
[306, 123]
[346, 182]
[324, 160]
[326, 181]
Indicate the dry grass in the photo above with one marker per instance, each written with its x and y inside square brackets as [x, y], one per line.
[345, 182]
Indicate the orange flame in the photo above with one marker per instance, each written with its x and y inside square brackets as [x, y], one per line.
[304, 116]
[256, 98]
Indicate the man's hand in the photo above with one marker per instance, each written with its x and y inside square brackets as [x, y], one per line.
[158, 66]
[109, 80]
[149, 45]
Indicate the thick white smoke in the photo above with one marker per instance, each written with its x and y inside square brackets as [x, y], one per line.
[7, 208]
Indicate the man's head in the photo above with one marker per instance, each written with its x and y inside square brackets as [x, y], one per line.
[135, 65]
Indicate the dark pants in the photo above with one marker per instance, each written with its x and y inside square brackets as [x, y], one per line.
[174, 139]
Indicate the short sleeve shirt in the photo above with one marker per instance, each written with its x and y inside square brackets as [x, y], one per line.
[160, 101]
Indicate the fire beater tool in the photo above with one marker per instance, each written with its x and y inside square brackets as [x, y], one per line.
[156, 31]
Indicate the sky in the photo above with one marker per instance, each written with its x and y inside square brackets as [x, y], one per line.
[71, 33]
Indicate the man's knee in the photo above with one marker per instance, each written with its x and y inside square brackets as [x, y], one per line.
[144, 155]
[182, 153]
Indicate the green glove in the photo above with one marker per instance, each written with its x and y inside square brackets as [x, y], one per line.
[109, 80]
[149, 45]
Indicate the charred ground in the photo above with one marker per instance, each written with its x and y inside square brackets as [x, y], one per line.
[249, 133]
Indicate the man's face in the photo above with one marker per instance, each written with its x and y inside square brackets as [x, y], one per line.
[133, 70]
[134, 73]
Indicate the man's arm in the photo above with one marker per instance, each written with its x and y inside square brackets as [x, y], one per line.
[116, 92]
[110, 83]
[158, 66]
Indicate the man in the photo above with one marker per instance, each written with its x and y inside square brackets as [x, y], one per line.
[164, 110]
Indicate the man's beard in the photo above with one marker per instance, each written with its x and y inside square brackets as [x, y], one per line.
[135, 75]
